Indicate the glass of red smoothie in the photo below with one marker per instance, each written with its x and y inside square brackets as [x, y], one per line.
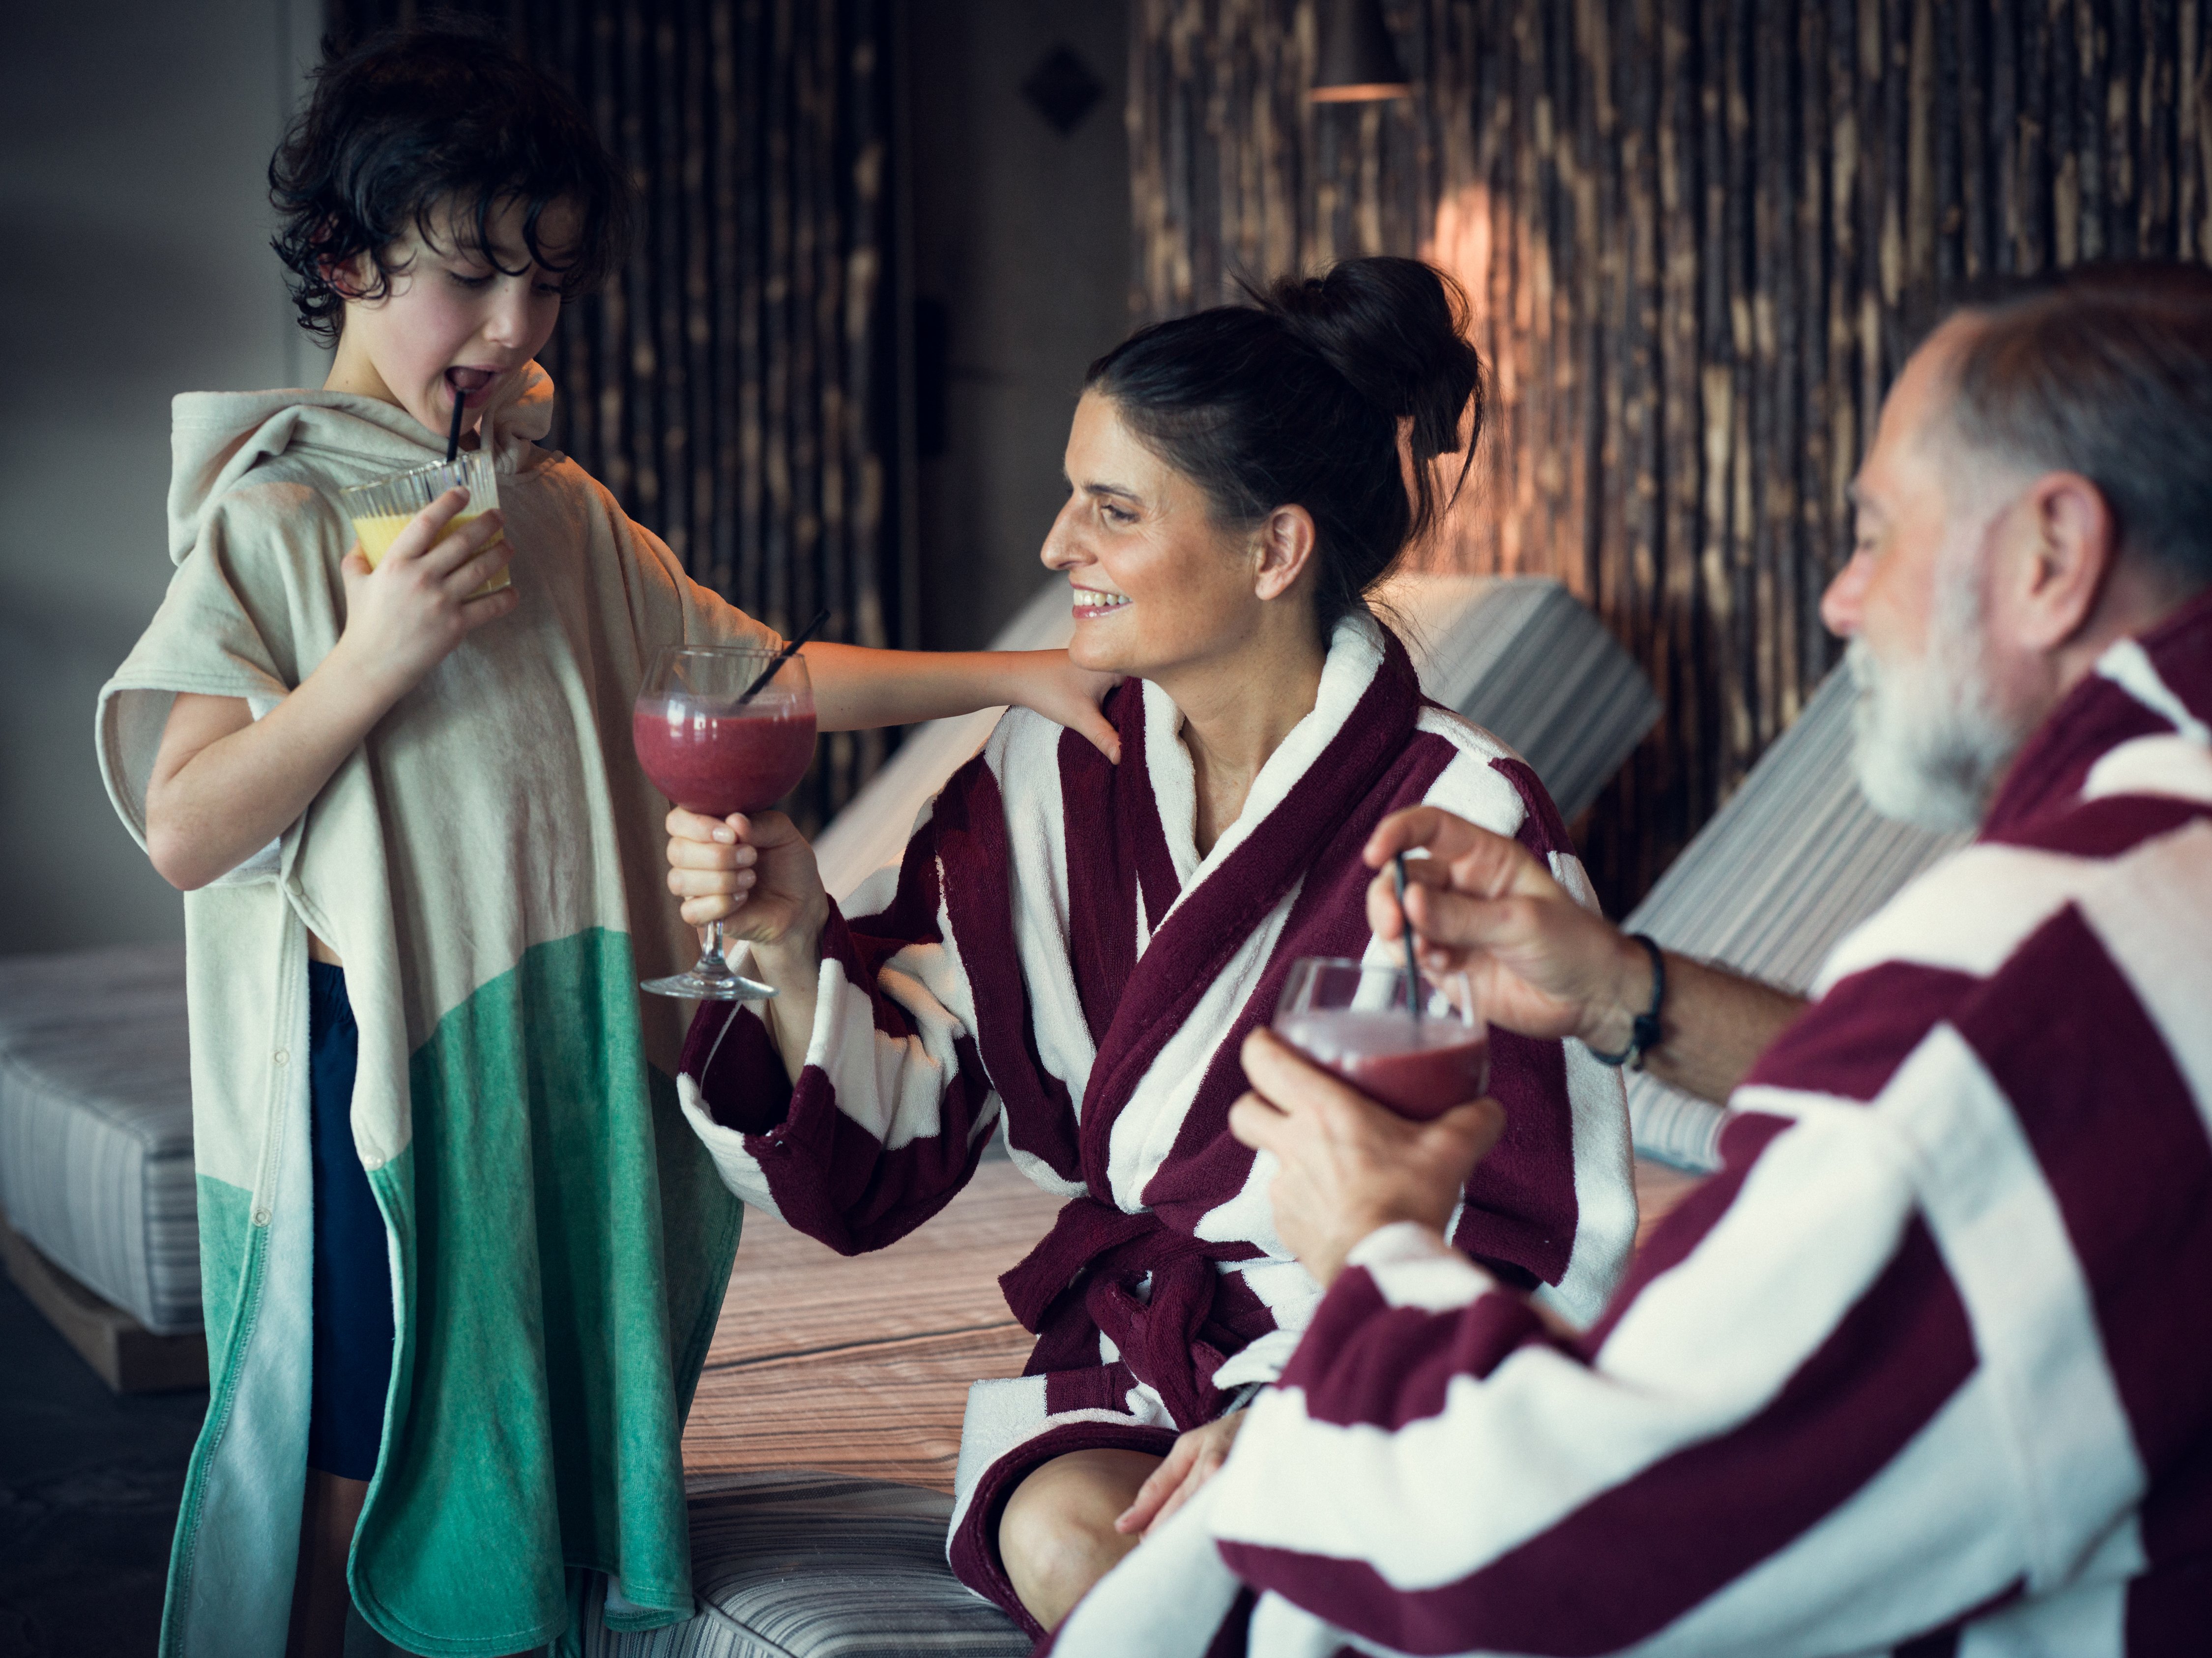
[1358, 1020]
[713, 748]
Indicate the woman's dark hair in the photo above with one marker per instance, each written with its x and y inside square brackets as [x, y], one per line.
[413, 124]
[1297, 398]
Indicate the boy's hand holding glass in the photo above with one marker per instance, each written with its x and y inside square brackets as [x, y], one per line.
[383, 507]
[406, 613]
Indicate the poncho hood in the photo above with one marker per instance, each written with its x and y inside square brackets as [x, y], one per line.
[217, 437]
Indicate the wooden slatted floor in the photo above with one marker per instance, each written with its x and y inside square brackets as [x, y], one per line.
[862, 1365]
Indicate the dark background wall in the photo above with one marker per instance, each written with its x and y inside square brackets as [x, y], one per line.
[1697, 232]
[1021, 270]
[134, 264]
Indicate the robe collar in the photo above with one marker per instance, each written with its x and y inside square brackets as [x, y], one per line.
[1323, 770]
[2157, 682]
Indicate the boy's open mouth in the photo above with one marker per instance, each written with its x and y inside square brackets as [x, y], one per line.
[470, 384]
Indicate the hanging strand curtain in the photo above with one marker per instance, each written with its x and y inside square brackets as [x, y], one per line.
[1697, 234]
[735, 385]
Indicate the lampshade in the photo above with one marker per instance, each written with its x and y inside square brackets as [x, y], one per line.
[1356, 63]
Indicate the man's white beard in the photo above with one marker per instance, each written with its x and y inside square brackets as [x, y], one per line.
[1931, 744]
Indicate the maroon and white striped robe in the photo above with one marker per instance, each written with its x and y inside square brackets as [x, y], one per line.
[1055, 953]
[1926, 1367]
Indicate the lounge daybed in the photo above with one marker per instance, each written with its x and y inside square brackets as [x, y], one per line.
[96, 1158]
[95, 1150]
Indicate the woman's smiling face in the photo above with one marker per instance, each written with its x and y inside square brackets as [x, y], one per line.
[1157, 584]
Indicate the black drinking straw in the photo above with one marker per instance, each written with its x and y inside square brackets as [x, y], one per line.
[1412, 971]
[453, 437]
[782, 657]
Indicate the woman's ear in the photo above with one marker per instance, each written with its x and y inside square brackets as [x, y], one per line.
[1286, 546]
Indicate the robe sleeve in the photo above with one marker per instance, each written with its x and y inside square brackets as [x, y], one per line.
[248, 604]
[1779, 1436]
[890, 1115]
[1553, 1208]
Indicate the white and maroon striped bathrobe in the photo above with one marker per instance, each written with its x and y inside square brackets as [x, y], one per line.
[1927, 1368]
[1056, 952]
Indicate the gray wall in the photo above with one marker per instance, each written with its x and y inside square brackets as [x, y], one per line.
[1024, 233]
[134, 264]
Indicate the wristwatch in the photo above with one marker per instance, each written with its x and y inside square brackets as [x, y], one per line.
[1644, 1033]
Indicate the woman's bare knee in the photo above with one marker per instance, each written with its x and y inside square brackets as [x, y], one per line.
[1056, 1533]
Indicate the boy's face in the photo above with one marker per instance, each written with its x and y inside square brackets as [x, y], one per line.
[452, 324]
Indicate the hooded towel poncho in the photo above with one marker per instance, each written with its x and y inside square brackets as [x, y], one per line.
[487, 865]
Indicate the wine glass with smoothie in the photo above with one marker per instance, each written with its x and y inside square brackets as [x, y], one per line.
[1412, 1042]
[719, 730]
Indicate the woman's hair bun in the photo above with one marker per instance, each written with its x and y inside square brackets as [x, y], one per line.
[1396, 329]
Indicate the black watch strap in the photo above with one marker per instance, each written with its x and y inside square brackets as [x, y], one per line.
[1643, 1035]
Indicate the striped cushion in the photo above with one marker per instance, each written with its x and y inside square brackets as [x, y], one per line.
[96, 1124]
[1525, 660]
[1519, 655]
[798, 1565]
[1795, 860]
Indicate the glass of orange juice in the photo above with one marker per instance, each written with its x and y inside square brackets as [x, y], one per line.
[380, 510]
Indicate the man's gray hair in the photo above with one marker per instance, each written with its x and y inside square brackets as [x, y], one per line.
[2106, 371]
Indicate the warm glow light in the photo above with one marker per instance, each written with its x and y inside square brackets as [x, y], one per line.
[1370, 92]
[1460, 245]
[1470, 538]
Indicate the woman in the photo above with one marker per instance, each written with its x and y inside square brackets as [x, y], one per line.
[1075, 949]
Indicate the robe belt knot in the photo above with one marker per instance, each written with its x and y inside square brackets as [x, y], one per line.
[1152, 1291]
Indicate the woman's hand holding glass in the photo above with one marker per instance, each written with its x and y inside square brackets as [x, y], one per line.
[755, 874]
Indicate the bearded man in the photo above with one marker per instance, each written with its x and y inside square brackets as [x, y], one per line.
[1927, 1367]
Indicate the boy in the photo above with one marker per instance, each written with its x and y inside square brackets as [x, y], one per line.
[462, 1259]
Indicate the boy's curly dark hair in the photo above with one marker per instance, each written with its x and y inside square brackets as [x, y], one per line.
[412, 123]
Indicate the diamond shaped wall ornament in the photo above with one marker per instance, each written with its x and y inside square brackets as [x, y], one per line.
[1062, 89]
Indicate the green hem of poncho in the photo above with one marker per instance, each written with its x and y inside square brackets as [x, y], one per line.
[563, 1242]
